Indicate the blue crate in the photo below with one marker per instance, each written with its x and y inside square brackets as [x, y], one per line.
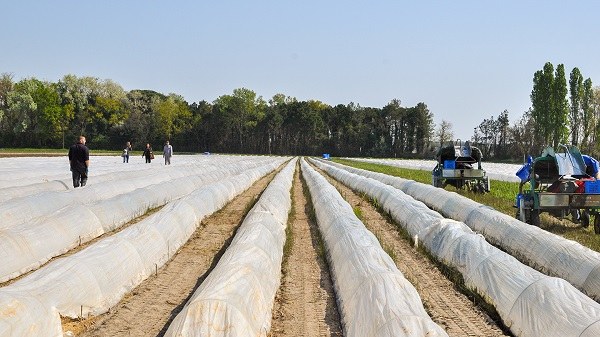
[449, 164]
[592, 186]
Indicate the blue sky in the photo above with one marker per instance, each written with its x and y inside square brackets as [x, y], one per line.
[467, 60]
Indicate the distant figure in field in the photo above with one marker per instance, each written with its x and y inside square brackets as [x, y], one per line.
[126, 152]
[167, 153]
[79, 161]
[148, 153]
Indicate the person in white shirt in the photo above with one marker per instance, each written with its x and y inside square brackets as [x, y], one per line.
[167, 153]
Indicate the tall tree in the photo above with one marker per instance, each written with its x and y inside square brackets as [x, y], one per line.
[522, 132]
[542, 105]
[423, 127]
[576, 95]
[503, 126]
[589, 118]
[6, 86]
[444, 133]
[560, 105]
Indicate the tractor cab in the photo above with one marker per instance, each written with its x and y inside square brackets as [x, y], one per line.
[459, 165]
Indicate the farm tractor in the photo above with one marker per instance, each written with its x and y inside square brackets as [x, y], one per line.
[455, 166]
[562, 184]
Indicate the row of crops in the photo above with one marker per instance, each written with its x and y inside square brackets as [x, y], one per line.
[236, 299]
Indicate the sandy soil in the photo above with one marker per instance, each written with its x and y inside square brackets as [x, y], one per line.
[305, 303]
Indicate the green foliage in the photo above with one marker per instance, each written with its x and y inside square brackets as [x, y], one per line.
[560, 106]
[41, 114]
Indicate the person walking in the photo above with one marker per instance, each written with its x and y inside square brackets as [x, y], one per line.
[148, 153]
[167, 153]
[79, 161]
[126, 152]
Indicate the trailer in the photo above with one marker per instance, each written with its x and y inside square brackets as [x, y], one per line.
[560, 184]
[459, 165]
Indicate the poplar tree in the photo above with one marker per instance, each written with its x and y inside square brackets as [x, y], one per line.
[576, 93]
[542, 105]
[560, 107]
[589, 119]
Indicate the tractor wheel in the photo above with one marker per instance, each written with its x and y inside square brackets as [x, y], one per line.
[482, 187]
[585, 218]
[597, 224]
[436, 182]
[535, 217]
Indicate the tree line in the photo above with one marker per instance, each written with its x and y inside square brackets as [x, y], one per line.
[562, 112]
[42, 114]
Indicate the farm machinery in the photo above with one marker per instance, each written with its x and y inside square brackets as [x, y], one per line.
[563, 184]
[459, 165]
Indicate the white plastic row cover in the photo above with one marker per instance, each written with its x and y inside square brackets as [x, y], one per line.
[96, 278]
[542, 250]
[26, 246]
[236, 299]
[529, 302]
[28, 207]
[374, 298]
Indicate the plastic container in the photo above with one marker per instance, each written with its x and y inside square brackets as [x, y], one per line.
[449, 164]
[523, 172]
[592, 186]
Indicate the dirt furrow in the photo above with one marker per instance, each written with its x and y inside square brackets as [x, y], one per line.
[150, 307]
[305, 303]
[447, 306]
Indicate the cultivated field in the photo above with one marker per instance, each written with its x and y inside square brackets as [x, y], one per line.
[274, 246]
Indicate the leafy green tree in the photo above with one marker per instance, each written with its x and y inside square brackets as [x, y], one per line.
[560, 107]
[240, 112]
[6, 86]
[589, 118]
[576, 95]
[503, 127]
[444, 133]
[19, 112]
[30, 108]
[140, 125]
[173, 116]
[522, 133]
[542, 105]
[424, 126]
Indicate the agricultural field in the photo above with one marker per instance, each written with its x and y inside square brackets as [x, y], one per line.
[277, 246]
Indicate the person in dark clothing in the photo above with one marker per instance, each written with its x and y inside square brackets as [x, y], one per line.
[79, 160]
[148, 153]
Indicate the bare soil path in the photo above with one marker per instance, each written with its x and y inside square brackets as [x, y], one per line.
[447, 306]
[305, 303]
[150, 307]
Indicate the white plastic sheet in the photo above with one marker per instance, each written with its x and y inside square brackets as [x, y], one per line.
[544, 251]
[96, 278]
[529, 302]
[20, 209]
[26, 246]
[236, 299]
[374, 298]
